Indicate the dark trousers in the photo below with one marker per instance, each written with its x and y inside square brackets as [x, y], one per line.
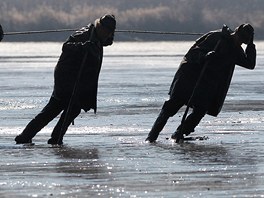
[172, 106]
[169, 109]
[48, 113]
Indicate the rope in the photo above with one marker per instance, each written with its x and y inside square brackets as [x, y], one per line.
[38, 32]
[158, 32]
[119, 31]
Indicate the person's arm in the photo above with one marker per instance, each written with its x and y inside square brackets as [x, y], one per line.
[247, 59]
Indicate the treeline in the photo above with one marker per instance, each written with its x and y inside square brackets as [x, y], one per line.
[167, 15]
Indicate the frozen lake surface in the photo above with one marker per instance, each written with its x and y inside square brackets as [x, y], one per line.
[105, 155]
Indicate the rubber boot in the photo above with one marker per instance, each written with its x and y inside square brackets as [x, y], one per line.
[157, 126]
[21, 139]
[178, 135]
[55, 135]
[188, 125]
[28, 133]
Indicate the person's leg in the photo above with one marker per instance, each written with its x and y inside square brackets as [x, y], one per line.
[169, 109]
[189, 123]
[49, 112]
[76, 110]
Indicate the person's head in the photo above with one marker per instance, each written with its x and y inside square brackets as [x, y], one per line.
[105, 28]
[1, 33]
[245, 32]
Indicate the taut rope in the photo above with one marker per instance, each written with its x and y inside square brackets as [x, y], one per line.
[119, 31]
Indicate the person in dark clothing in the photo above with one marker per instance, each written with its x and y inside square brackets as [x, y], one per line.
[204, 76]
[1, 33]
[84, 48]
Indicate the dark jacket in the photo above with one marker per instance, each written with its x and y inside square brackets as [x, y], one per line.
[206, 79]
[66, 71]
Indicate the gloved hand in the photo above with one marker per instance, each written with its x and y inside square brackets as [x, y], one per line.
[1, 33]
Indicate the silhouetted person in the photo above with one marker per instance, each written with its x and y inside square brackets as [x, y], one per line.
[204, 76]
[87, 40]
[1, 33]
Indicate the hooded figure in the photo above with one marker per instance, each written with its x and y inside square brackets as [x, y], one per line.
[204, 76]
[75, 79]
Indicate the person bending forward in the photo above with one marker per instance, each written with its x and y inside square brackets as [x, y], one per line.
[204, 76]
[83, 48]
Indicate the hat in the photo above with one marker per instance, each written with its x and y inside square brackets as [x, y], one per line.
[245, 32]
[108, 21]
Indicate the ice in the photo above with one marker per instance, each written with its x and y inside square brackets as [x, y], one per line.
[105, 155]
